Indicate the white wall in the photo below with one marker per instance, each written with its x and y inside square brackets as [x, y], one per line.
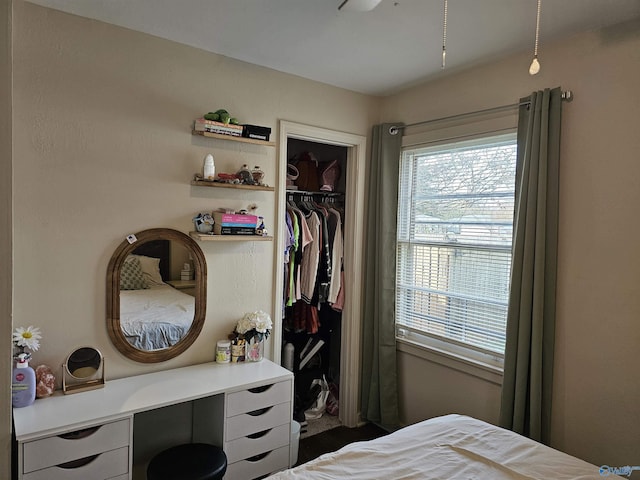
[596, 400]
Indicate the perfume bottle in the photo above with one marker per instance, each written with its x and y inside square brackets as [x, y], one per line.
[258, 175]
[245, 175]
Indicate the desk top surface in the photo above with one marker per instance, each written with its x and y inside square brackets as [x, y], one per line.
[125, 397]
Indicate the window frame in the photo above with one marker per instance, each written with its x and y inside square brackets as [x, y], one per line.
[447, 348]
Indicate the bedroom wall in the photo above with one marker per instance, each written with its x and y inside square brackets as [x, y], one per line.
[596, 413]
[5, 231]
[103, 148]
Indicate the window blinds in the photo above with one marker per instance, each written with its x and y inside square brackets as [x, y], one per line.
[455, 224]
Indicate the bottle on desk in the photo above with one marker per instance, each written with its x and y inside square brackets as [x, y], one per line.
[23, 382]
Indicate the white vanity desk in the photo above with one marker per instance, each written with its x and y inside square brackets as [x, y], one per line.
[244, 407]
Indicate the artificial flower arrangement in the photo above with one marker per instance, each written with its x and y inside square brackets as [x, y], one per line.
[27, 338]
[247, 337]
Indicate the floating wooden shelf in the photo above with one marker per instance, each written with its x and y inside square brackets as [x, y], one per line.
[234, 139]
[205, 183]
[204, 237]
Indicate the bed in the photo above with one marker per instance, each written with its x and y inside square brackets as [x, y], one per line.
[153, 314]
[449, 447]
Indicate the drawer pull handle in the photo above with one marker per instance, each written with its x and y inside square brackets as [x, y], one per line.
[257, 458]
[253, 436]
[261, 411]
[81, 462]
[261, 389]
[79, 434]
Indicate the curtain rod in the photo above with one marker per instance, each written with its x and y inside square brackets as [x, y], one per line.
[394, 130]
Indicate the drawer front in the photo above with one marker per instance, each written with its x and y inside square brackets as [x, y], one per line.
[245, 447]
[104, 466]
[254, 399]
[245, 424]
[55, 450]
[275, 460]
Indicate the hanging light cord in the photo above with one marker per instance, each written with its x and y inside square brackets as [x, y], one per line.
[444, 34]
[535, 48]
[534, 68]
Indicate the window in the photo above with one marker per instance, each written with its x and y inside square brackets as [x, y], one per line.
[455, 223]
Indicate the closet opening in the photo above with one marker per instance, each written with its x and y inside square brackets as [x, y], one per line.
[318, 284]
[313, 293]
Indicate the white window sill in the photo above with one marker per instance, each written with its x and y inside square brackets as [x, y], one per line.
[477, 368]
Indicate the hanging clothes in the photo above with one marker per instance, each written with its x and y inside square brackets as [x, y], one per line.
[313, 261]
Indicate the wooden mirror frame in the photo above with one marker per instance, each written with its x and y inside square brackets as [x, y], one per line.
[113, 295]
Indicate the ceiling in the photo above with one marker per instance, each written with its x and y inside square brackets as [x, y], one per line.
[397, 44]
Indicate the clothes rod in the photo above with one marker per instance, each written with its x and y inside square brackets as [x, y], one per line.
[394, 130]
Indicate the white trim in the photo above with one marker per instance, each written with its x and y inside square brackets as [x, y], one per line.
[448, 359]
[353, 248]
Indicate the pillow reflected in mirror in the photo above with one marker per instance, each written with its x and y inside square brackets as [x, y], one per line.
[150, 269]
[131, 277]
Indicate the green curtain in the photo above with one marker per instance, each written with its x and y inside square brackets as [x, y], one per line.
[528, 363]
[379, 376]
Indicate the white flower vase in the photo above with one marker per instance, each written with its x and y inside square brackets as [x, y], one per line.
[255, 350]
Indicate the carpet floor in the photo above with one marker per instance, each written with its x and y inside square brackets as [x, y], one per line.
[334, 439]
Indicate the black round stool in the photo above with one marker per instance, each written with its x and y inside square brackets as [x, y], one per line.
[190, 461]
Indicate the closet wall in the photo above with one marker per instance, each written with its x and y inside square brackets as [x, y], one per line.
[312, 324]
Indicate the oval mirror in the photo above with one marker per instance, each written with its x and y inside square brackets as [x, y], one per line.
[156, 294]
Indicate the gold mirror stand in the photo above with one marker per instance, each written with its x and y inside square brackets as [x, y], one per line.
[83, 370]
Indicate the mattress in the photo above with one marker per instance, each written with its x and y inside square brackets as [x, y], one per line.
[155, 318]
[449, 447]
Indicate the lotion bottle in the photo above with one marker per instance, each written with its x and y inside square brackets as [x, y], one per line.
[23, 382]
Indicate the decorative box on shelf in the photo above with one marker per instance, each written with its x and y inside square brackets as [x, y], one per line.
[256, 132]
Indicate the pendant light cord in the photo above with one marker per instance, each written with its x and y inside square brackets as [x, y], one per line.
[535, 48]
[444, 34]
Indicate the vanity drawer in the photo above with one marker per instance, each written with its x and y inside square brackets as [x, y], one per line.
[56, 450]
[253, 445]
[258, 466]
[246, 424]
[256, 398]
[107, 465]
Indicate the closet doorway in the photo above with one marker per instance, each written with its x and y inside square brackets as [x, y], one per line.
[352, 183]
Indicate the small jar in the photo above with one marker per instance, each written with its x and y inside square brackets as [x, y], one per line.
[223, 351]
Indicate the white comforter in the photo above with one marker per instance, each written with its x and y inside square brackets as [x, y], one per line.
[155, 318]
[450, 447]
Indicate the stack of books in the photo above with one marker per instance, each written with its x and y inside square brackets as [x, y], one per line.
[234, 224]
[203, 125]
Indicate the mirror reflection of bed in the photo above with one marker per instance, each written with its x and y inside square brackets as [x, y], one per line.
[154, 314]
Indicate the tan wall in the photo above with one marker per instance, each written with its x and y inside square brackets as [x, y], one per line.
[596, 401]
[103, 148]
[5, 232]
